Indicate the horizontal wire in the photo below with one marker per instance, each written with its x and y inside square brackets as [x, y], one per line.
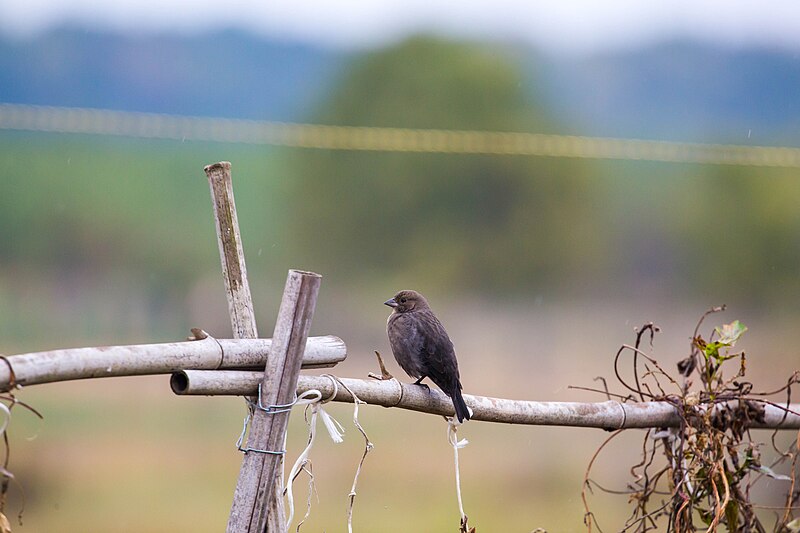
[160, 126]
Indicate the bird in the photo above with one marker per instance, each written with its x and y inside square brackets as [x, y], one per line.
[422, 347]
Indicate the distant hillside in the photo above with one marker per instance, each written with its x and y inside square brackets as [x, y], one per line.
[228, 74]
[683, 90]
[678, 90]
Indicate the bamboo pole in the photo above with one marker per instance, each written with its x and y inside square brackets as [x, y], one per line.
[256, 485]
[392, 393]
[164, 358]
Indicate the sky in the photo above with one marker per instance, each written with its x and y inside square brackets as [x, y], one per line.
[569, 26]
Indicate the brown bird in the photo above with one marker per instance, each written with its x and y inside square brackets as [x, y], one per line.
[422, 348]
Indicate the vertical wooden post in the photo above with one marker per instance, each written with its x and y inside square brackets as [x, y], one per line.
[256, 487]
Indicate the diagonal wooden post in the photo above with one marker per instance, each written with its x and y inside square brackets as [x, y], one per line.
[256, 486]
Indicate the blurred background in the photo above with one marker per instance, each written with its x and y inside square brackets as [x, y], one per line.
[540, 267]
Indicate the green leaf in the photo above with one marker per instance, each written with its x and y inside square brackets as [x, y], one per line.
[732, 516]
[730, 333]
[712, 349]
[794, 525]
[745, 459]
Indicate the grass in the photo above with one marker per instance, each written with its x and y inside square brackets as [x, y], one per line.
[125, 454]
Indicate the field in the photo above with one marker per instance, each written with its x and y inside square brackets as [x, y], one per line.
[109, 241]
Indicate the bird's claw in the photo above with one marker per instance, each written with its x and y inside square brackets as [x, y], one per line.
[424, 385]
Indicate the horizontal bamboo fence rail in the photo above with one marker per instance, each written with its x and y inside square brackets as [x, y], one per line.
[164, 358]
[392, 393]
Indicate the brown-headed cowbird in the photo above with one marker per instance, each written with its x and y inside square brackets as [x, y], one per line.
[422, 348]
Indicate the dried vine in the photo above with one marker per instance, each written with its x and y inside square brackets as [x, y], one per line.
[700, 476]
[7, 403]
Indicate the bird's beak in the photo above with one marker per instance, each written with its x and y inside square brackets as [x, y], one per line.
[390, 302]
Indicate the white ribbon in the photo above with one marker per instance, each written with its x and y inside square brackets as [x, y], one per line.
[313, 398]
[452, 438]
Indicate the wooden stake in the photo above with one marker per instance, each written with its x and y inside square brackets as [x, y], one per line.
[234, 272]
[256, 486]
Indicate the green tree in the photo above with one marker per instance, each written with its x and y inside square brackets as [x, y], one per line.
[481, 221]
[742, 230]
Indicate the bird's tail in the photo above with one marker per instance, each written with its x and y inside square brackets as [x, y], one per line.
[462, 411]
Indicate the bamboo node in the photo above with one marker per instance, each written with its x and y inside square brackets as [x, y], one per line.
[624, 415]
[12, 376]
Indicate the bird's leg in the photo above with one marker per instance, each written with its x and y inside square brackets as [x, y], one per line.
[425, 385]
[384, 373]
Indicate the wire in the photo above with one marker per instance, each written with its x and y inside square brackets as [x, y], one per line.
[159, 126]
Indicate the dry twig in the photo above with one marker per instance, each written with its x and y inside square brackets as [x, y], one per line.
[711, 459]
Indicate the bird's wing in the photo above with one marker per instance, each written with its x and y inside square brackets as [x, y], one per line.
[438, 353]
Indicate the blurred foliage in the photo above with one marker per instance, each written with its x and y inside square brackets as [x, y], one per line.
[86, 203]
[87, 221]
[743, 233]
[486, 222]
[501, 224]
[110, 235]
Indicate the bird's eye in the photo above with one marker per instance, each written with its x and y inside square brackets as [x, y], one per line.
[402, 300]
